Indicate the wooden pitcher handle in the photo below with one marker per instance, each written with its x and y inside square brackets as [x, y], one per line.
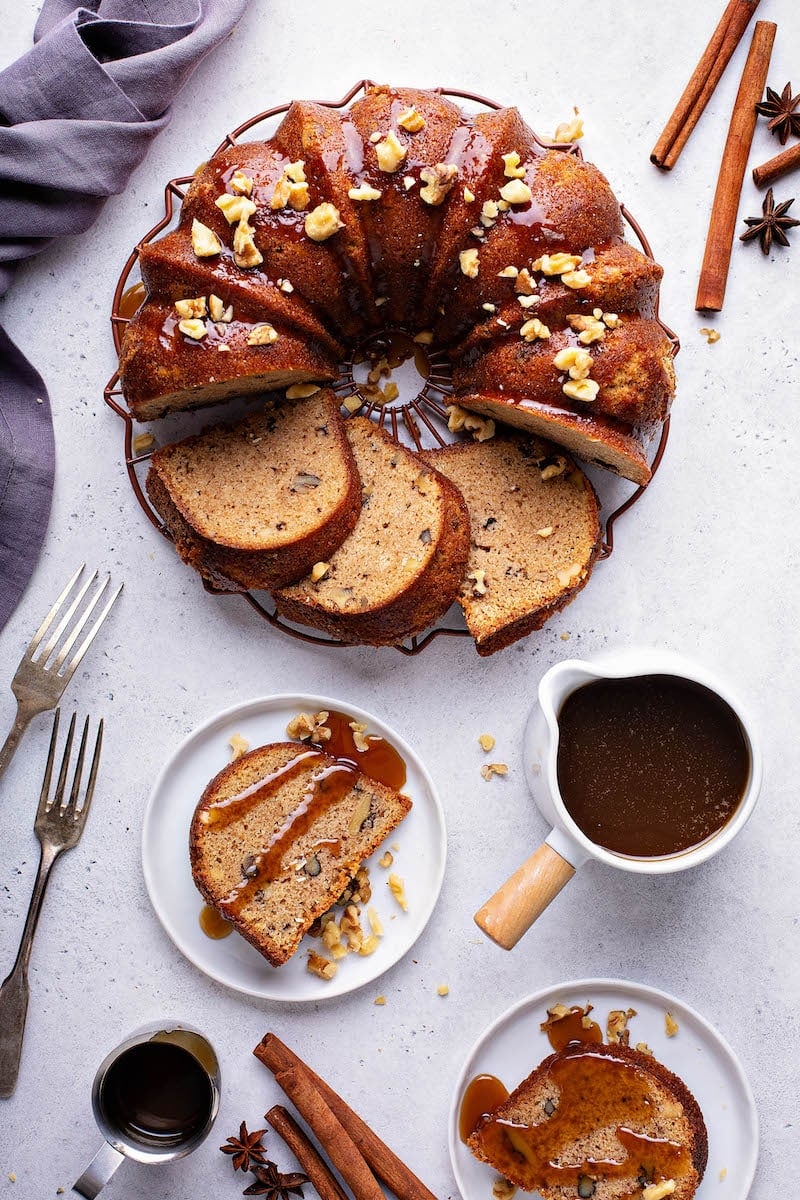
[524, 897]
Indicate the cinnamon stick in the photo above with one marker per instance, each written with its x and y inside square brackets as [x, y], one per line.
[774, 168]
[722, 226]
[306, 1153]
[276, 1056]
[334, 1138]
[703, 82]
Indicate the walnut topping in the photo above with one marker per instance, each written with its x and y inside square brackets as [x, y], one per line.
[319, 571]
[438, 182]
[469, 196]
[534, 330]
[217, 310]
[578, 363]
[524, 282]
[235, 208]
[364, 191]
[142, 443]
[486, 742]
[516, 192]
[360, 742]
[511, 165]
[374, 137]
[508, 273]
[617, 1032]
[386, 859]
[241, 184]
[589, 329]
[711, 335]
[391, 152]
[245, 251]
[576, 279]
[193, 328]
[238, 745]
[643, 1048]
[527, 301]
[291, 189]
[194, 307]
[657, 1191]
[205, 242]
[262, 335]
[409, 182]
[552, 467]
[319, 965]
[458, 419]
[569, 131]
[489, 213]
[581, 389]
[286, 286]
[469, 263]
[323, 222]
[478, 582]
[301, 391]
[309, 727]
[490, 308]
[411, 120]
[491, 769]
[398, 889]
[556, 264]
[222, 348]
[671, 1026]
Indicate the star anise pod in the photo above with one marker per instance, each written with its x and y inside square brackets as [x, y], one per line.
[781, 111]
[246, 1148]
[272, 1183]
[773, 223]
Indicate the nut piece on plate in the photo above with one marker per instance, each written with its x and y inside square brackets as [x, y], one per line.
[239, 746]
[491, 769]
[487, 742]
[319, 965]
[398, 889]
[309, 727]
[617, 1032]
[671, 1026]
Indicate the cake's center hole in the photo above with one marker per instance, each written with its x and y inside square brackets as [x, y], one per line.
[390, 368]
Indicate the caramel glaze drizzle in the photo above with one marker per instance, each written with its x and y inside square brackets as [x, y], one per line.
[590, 1091]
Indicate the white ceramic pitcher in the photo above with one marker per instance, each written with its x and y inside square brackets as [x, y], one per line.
[527, 893]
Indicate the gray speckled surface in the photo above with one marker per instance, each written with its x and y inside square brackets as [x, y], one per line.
[706, 564]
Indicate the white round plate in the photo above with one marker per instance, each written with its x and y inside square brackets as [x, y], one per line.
[419, 858]
[514, 1045]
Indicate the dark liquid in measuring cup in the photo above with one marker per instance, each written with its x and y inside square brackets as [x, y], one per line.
[158, 1094]
[652, 765]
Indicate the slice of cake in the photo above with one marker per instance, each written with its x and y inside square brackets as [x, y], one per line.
[257, 503]
[403, 564]
[600, 1121]
[535, 533]
[279, 833]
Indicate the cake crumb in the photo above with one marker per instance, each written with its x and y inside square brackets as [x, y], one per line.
[380, 1001]
[443, 990]
[723, 1174]
[671, 1026]
[565, 636]
[239, 746]
[487, 742]
[711, 335]
[617, 1032]
[13, 1177]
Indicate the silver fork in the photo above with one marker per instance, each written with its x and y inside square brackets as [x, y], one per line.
[58, 826]
[36, 685]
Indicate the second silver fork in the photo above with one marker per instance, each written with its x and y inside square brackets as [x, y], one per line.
[58, 826]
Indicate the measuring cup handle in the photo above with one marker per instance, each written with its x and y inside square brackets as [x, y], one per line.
[524, 896]
[98, 1172]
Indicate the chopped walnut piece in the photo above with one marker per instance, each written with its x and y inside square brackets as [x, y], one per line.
[469, 196]
[671, 1026]
[534, 329]
[657, 1191]
[286, 286]
[380, 1001]
[491, 769]
[487, 742]
[469, 262]
[217, 310]
[524, 282]
[516, 192]
[319, 965]
[503, 1189]
[569, 575]
[239, 746]
[319, 571]
[205, 242]
[581, 389]
[411, 120]
[490, 308]
[323, 222]
[478, 582]
[386, 859]
[438, 181]
[551, 467]
[443, 990]
[576, 362]
[508, 273]
[301, 391]
[369, 945]
[235, 208]
[711, 335]
[331, 934]
[390, 152]
[617, 1032]
[576, 279]
[262, 335]
[545, 532]
[375, 923]
[569, 131]
[360, 742]
[245, 252]
[511, 165]
[611, 321]
[489, 212]
[556, 264]
[409, 182]
[241, 184]
[365, 191]
[193, 328]
[398, 889]
[588, 328]
[309, 727]
[142, 443]
[481, 428]
[191, 307]
[643, 1048]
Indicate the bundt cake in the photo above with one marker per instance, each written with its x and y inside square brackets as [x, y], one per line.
[406, 211]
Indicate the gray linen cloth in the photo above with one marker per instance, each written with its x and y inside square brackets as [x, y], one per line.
[77, 113]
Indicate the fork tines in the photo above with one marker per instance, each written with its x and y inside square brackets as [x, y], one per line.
[46, 803]
[72, 620]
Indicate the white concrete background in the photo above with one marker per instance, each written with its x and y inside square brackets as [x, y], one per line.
[706, 564]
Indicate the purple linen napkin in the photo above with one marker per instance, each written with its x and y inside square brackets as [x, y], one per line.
[77, 114]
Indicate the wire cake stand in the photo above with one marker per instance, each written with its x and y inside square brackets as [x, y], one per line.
[419, 422]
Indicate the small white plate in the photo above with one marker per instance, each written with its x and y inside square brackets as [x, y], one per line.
[419, 859]
[514, 1045]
